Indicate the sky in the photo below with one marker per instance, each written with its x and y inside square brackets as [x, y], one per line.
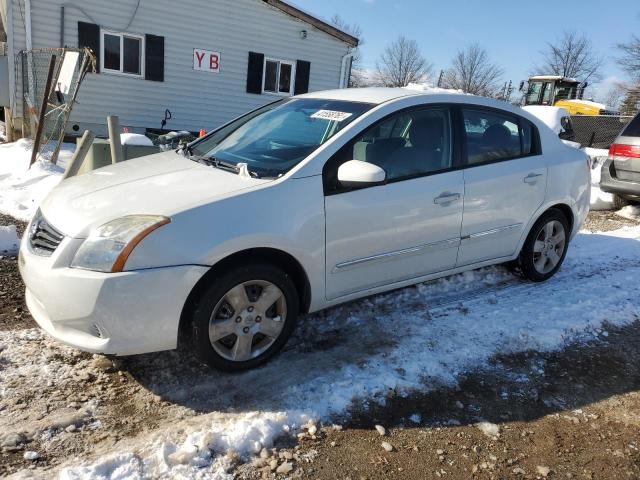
[512, 32]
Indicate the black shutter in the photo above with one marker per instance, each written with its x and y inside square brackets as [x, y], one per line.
[89, 36]
[154, 58]
[303, 69]
[254, 72]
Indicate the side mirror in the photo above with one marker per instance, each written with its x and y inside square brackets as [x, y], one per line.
[356, 173]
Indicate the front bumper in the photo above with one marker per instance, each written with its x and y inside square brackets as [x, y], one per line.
[609, 183]
[113, 313]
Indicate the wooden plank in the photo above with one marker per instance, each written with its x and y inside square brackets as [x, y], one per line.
[82, 148]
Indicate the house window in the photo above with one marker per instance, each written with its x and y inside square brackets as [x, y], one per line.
[278, 77]
[122, 53]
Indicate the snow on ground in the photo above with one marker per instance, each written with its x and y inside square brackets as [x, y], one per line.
[23, 188]
[414, 339]
[9, 241]
[632, 212]
[599, 200]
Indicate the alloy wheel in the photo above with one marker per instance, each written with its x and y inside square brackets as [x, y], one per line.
[247, 320]
[549, 246]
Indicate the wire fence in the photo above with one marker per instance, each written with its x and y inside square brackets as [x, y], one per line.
[598, 131]
[51, 77]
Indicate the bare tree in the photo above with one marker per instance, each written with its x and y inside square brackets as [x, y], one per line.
[473, 72]
[571, 56]
[630, 59]
[613, 96]
[358, 74]
[401, 63]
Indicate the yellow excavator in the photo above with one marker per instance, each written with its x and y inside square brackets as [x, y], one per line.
[558, 91]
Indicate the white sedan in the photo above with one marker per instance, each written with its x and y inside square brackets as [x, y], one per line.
[302, 204]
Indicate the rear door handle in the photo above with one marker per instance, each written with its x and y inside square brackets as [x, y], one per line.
[532, 178]
[446, 198]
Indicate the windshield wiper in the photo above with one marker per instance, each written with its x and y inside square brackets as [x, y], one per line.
[221, 164]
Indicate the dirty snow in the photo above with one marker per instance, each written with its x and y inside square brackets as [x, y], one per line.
[599, 200]
[632, 212]
[23, 188]
[415, 339]
[9, 241]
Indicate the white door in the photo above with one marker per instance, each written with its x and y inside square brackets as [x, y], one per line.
[405, 228]
[505, 183]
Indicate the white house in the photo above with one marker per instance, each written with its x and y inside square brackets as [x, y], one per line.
[204, 61]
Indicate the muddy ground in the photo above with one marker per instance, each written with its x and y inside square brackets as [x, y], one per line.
[578, 416]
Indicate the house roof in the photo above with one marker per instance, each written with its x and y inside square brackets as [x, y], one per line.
[314, 21]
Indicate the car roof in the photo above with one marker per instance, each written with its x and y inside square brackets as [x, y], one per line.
[375, 95]
[379, 95]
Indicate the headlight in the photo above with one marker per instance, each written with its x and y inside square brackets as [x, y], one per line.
[108, 246]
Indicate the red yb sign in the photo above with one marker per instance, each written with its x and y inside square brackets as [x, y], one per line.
[206, 60]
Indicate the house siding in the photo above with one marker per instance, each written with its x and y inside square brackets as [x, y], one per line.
[196, 99]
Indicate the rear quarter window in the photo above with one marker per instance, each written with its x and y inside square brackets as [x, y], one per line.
[633, 129]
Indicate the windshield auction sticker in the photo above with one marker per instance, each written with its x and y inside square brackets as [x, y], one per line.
[331, 115]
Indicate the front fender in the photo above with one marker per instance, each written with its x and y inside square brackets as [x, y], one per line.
[287, 215]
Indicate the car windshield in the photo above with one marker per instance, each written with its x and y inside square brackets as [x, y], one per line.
[275, 138]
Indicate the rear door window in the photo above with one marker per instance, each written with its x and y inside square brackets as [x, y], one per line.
[493, 136]
[633, 129]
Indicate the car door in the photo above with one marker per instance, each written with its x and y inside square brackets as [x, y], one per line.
[505, 183]
[402, 229]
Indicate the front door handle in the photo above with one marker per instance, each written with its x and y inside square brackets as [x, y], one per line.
[532, 178]
[446, 198]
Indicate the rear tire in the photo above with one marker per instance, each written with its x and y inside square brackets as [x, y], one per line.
[546, 246]
[244, 317]
[619, 202]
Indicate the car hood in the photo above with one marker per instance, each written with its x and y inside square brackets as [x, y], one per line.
[162, 184]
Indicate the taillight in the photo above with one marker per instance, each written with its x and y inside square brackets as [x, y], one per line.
[629, 151]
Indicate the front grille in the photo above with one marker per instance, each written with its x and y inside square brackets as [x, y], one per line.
[43, 238]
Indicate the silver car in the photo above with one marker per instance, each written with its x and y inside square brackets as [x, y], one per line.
[621, 171]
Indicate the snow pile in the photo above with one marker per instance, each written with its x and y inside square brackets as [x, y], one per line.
[599, 200]
[9, 241]
[429, 88]
[135, 139]
[550, 116]
[22, 188]
[401, 341]
[209, 452]
[632, 212]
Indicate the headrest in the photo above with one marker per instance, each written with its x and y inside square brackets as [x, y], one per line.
[426, 132]
[497, 134]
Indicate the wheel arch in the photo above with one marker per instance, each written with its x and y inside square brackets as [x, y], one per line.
[287, 262]
[566, 211]
[562, 207]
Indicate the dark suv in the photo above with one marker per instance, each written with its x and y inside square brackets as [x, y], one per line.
[621, 171]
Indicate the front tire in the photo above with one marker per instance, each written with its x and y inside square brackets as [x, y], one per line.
[244, 317]
[545, 248]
